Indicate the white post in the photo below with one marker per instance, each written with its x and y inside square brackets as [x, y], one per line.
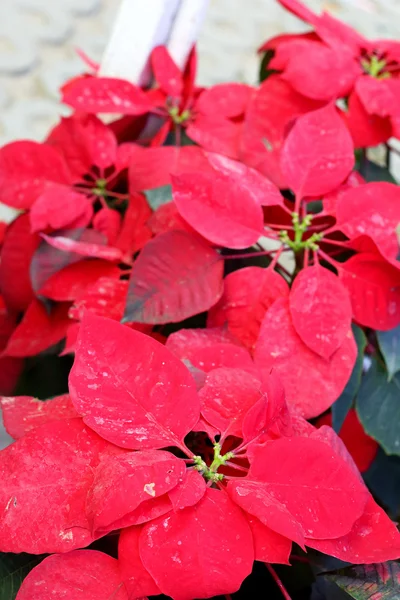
[186, 29]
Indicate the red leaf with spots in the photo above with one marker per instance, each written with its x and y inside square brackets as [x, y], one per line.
[88, 249]
[227, 100]
[320, 309]
[226, 396]
[147, 397]
[216, 134]
[269, 546]
[166, 73]
[17, 251]
[53, 484]
[176, 276]
[121, 483]
[318, 153]
[189, 490]
[374, 288]
[59, 207]
[78, 575]
[222, 209]
[248, 294]
[228, 554]
[106, 95]
[372, 209]
[108, 222]
[312, 483]
[104, 298]
[26, 169]
[137, 580]
[38, 330]
[73, 281]
[312, 384]
[22, 414]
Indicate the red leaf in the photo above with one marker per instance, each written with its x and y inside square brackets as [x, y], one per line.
[311, 383]
[26, 168]
[318, 153]
[366, 130]
[84, 141]
[254, 498]
[22, 414]
[269, 546]
[46, 477]
[189, 491]
[372, 209]
[147, 397]
[70, 341]
[379, 96]
[73, 281]
[248, 294]
[104, 298]
[135, 232]
[373, 539]
[91, 250]
[222, 209]
[225, 551]
[106, 95]
[108, 222]
[166, 73]
[227, 100]
[320, 309]
[176, 276]
[38, 330]
[122, 483]
[167, 218]
[58, 207]
[312, 483]
[137, 580]
[78, 575]
[16, 254]
[374, 288]
[226, 397]
[216, 134]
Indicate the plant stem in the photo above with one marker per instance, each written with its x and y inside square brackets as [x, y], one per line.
[278, 582]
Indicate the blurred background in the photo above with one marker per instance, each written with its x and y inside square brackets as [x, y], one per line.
[38, 40]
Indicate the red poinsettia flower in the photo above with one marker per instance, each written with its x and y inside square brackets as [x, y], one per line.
[337, 62]
[268, 480]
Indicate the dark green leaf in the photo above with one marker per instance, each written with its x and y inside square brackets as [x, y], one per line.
[323, 589]
[378, 407]
[158, 196]
[367, 582]
[389, 343]
[13, 570]
[373, 172]
[383, 479]
[343, 404]
[265, 72]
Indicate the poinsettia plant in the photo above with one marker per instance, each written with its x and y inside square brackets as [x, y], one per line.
[220, 266]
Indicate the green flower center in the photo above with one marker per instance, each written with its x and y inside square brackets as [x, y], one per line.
[375, 67]
[298, 244]
[210, 472]
[177, 117]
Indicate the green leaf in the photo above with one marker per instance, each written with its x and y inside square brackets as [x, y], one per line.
[158, 196]
[13, 570]
[389, 343]
[383, 479]
[373, 172]
[370, 582]
[343, 404]
[378, 407]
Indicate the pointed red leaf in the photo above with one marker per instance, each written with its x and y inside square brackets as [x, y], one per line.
[189, 491]
[311, 383]
[19, 246]
[73, 281]
[222, 209]
[108, 222]
[167, 218]
[313, 484]
[226, 397]
[227, 552]
[26, 168]
[318, 153]
[254, 498]
[216, 134]
[122, 483]
[135, 231]
[137, 580]
[365, 129]
[130, 388]
[104, 298]
[372, 209]
[373, 539]
[176, 276]
[248, 294]
[91, 250]
[269, 546]
[22, 414]
[228, 100]
[78, 575]
[374, 288]
[38, 330]
[166, 73]
[46, 476]
[58, 207]
[106, 95]
[320, 309]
